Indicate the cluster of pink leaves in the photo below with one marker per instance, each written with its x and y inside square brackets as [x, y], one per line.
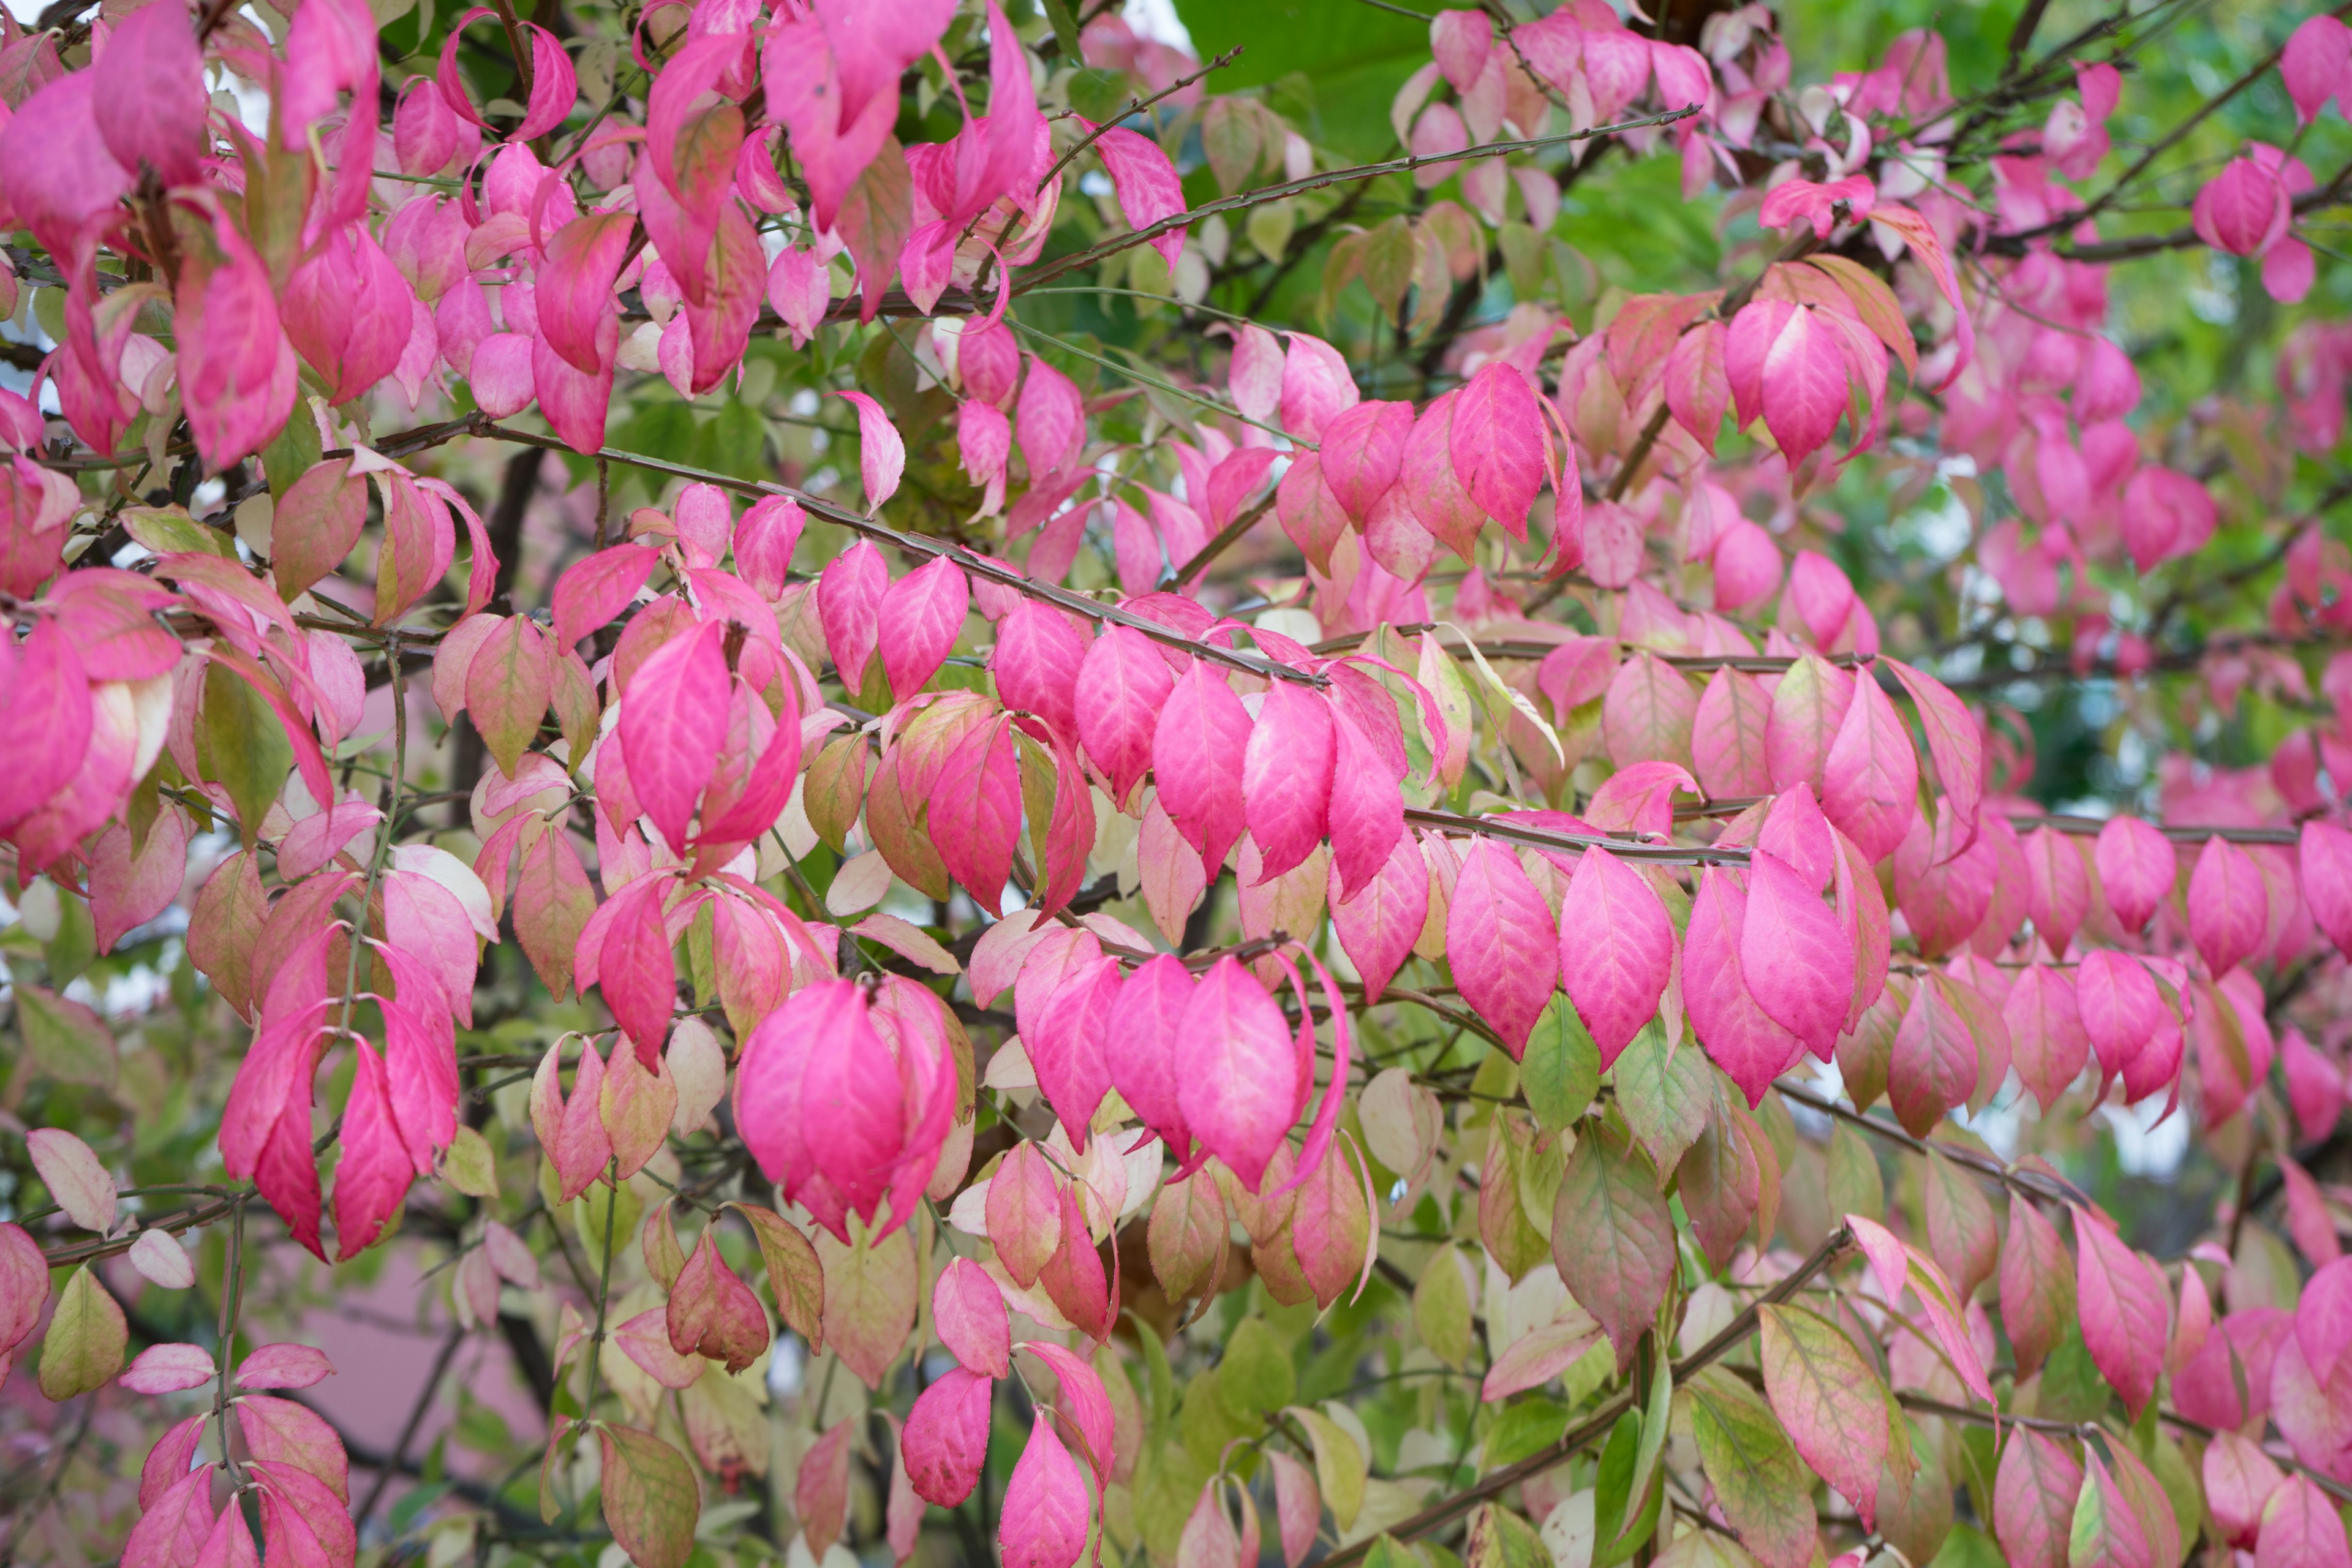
[509, 284]
[293, 1461]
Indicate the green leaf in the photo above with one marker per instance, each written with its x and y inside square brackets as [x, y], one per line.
[240, 746]
[471, 1167]
[1098, 94]
[1525, 1427]
[67, 1040]
[83, 1350]
[1440, 1308]
[1355, 56]
[1764, 1488]
[1340, 1463]
[651, 1500]
[1066, 34]
[1663, 1093]
[1561, 1070]
[1625, 1504]
[1855, 1183]
[1255, 1375]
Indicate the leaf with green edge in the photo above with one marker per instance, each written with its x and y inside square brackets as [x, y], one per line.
[1340, 1465]
[83, 1349]
[1664, 1091]
[2104, 1532]
[66, 1039]
[1501, 699]
[795, 1276]
[1961, 1232]
[1763, 1487]
[869, 1300]
[651, 1499]
[241, 746]
[2033, 1500]
[1612, 1237]
[1832, 1404]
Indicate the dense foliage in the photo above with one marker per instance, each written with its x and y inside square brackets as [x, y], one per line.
[1520, 787]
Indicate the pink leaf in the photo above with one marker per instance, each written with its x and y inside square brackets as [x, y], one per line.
[1145, 183]
[1367, 809]
[592, 591]
[2123, 1303]
[2033, 1500]
[1286, 770]
[373, 1176]
[921, 617]
[1935, 1064]
[673, 721]
[1237, 1083]
[1036, 663]
[77, 1182]
[1050, 421]
[1616, 949]
[1953, 740]
[881, 454]
[1794, 956]
[167, 1369]
[1377, 925]
[1044, 1518]
[2047, 1040]
[1739, 1036]
[1123, 684]
[1498, 445]
[1315, 386]
[1024, 1214]
[2119, 1005]
[2326, 866]
[1362, 449]
[1142, 1044]
[1198, 751]
[1495, 919]
[2137, 868]
[946, 1439]
[969, 1311]
[1870, 777]
[284, 1366]
[2229, 908]
[849, 604]
[2314, 65]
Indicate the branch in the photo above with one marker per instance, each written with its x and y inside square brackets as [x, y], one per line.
[1627, 849]
[921, 544]
[2027, 1182]
[1598, 1423]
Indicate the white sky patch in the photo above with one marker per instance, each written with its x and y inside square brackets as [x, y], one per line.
[1151, 18]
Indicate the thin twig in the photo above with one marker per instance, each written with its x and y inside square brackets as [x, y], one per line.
[1226, 537]
[449, 1344]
